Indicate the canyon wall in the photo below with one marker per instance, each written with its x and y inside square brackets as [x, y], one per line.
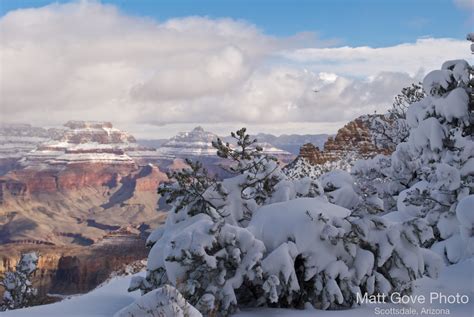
[75, 269]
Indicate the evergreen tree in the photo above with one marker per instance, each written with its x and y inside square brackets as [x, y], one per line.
[19, 292]
[433, 169]
[223, 244]
[391, 129]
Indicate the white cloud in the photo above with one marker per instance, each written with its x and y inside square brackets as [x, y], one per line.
[464, 4]
[89, 61]
[424, 54]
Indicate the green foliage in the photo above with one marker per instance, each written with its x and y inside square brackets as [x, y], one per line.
[187, 188]
[246, 147]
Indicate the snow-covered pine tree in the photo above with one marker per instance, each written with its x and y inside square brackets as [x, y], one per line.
[19, 291]
[433, 169]
[436, 163]
[203, 249]
[260, 172]
[261, 237]
[318, 253]
[391, 128]
[374, 185]
[372, 177]
[188, 188]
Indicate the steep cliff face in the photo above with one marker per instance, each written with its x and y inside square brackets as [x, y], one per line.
[67, 178]
[74, 269]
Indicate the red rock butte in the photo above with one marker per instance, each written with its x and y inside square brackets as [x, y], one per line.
[354, 137]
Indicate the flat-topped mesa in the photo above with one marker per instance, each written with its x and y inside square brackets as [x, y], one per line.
[89, 142]
[87, 154]
[94, 131]
[283, 156]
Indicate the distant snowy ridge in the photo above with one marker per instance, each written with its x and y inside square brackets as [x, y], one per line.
[198, 142]
[18, 139]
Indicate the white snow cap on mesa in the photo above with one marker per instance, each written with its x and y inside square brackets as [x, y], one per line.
[101, 132]
[86, 142]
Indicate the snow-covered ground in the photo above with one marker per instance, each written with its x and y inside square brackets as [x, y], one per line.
[103, 301]
[109, 298]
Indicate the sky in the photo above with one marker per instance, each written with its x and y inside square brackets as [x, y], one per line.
[158, 67]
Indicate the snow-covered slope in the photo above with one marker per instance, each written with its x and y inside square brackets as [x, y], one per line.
[109, 298]
[103, 301]
[301, 167]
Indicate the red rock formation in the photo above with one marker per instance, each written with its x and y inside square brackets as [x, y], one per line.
[311, 153]
[88, 154]
[50, 180]
[32, 180]
[92, 174]
[354, 138]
